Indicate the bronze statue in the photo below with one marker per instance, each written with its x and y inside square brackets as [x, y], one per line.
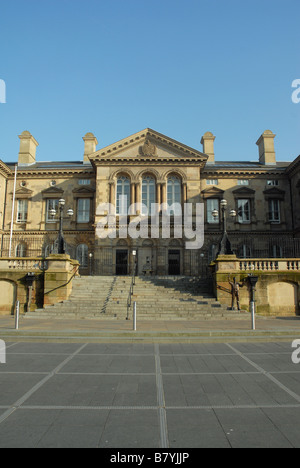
[235, 292]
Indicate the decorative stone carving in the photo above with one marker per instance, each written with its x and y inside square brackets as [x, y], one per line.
[148, 149]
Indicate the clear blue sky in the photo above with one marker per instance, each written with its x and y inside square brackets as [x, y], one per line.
[181, 67]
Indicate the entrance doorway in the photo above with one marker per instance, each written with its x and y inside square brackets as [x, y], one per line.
[174, 262]
[122, 262]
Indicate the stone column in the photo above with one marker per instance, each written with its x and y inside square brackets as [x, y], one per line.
[158, 195]
[138, 197]
[112, 195]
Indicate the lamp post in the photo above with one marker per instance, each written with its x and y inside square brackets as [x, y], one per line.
[202, 265]
[134, 266]
[70, 213]
[225, 246]
[91, 263]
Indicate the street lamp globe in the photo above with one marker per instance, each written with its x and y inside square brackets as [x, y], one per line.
[215, 214]
[232, 213]
[62, 202]
[52, 213]
[70, 213]
[223, 203]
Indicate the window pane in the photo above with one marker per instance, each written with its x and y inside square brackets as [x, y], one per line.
[211, 205]
[83, 212]
[148, 194]
[82, 255]
[21, 250]
[123, 196]
[22, 211]
[52, 204]
[274, 211]
[174, 194]
[244, 211]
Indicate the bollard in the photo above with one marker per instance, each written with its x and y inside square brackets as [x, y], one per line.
[134, 316]
[252, 310]
[17, 315]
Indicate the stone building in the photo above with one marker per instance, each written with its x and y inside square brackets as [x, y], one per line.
[148, 168]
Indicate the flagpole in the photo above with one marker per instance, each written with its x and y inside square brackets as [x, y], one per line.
[13, 211]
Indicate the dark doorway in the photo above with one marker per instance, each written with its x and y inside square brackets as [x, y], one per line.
[122, 262]
[174, 262]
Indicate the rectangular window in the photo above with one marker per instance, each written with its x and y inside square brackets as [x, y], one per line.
[211, 205]
[52, 204]
[212, 182]
[83, 210]
[244, 211]
[22, 211]
[243, 182]
[84, 182]
[273, 183]
[274, 211]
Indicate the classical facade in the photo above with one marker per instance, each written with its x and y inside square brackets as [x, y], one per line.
[142, 170]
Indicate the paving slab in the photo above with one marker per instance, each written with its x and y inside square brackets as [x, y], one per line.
[160, 396]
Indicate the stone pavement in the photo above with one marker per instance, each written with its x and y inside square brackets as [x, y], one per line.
[164, 396]
[280, 328]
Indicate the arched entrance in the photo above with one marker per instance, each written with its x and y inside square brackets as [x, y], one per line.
[7, 297]
[283, 298]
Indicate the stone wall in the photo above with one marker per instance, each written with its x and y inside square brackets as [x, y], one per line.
[277, 290]
[52, 282]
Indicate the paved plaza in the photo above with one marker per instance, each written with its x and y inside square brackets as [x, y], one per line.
[149, 395]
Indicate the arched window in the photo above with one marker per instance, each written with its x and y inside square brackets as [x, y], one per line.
[123, 196]
[21, 250]
[245, 251]
[82, 255]
[174, 195]
[276, 251]
[148, 194]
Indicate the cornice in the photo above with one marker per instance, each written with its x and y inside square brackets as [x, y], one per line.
[4, 169]
[55, 172]
[249, 173]
[294, 167]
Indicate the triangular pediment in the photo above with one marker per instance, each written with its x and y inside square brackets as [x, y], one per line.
[244, 191]
[147, 146]
[274, 191]
[83, 191]
[23, 192]
[53, 191]
[212, 192]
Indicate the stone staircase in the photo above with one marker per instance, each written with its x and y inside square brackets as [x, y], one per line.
[157, 298]
[179, 298]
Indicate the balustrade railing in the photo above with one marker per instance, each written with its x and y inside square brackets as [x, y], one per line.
[269, 265]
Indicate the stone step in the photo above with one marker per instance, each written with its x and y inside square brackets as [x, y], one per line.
[157, 298]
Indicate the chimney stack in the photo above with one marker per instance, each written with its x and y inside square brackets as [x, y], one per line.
[208, 146]
[90, 143]
[28, 146]
[265, 145]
